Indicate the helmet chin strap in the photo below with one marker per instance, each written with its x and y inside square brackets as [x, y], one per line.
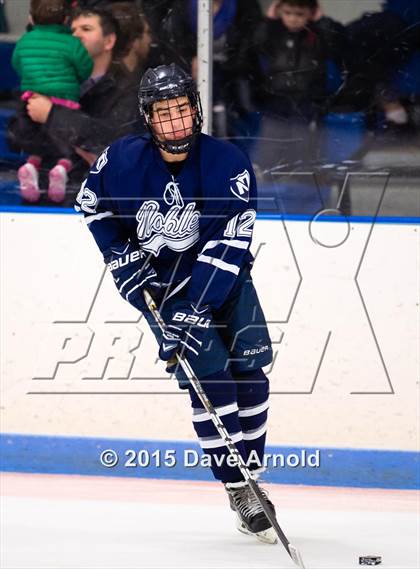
[176, 146]
[179, 146]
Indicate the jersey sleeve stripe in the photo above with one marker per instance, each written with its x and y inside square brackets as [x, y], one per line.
[229, 242]
[98, 216]
[220, 264]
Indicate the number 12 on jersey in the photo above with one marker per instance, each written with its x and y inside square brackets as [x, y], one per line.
[241, 225]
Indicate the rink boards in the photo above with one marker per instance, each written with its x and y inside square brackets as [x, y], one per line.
[341, 299]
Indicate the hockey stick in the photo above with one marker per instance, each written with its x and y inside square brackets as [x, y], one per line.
[221, 429]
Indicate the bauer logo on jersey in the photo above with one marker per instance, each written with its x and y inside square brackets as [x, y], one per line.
[100, 163]
[239, 186]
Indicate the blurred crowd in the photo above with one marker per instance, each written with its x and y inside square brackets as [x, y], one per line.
[277, 74]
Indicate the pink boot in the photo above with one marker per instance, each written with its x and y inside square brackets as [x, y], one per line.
[57, 183]
[28, 182]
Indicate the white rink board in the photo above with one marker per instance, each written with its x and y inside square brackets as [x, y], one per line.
[330, 340]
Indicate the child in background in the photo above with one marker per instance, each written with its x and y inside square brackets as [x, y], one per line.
[52, 62]
[294, 43]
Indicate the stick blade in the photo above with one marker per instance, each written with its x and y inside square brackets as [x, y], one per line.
[296, 556]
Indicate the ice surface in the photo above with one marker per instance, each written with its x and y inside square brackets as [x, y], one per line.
[54, 521]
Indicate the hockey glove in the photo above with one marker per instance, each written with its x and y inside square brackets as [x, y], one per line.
[132, 274]
[185, 332]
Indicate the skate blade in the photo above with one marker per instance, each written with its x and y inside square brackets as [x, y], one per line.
[240, 526]
[266, 536]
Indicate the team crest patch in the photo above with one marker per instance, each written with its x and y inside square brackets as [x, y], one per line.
[100, 163]
[239, 186]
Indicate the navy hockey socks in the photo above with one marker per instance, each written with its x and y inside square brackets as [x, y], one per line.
[221, 389]
[252, 397]
[242, 405]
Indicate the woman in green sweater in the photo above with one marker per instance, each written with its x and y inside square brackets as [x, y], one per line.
[52, 62]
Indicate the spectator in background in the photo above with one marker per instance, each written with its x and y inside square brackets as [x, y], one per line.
[4, 27]
[51, 62]
[109, 107]
[97, 4]
[381, 44]
[294, 43]
[156, 12]
[234, 65]
[136, 38]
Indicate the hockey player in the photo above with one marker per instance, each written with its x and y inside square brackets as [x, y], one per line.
[173, 213]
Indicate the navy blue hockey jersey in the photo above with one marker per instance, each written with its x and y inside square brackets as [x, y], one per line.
[194, 229]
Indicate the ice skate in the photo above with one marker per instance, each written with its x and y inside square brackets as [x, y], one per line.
[251, 519]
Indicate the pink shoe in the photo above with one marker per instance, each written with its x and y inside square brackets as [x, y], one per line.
[28, 182]
[57, 184]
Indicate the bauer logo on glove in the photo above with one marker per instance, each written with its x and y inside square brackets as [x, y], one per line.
[193, 319]
[185, 332]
